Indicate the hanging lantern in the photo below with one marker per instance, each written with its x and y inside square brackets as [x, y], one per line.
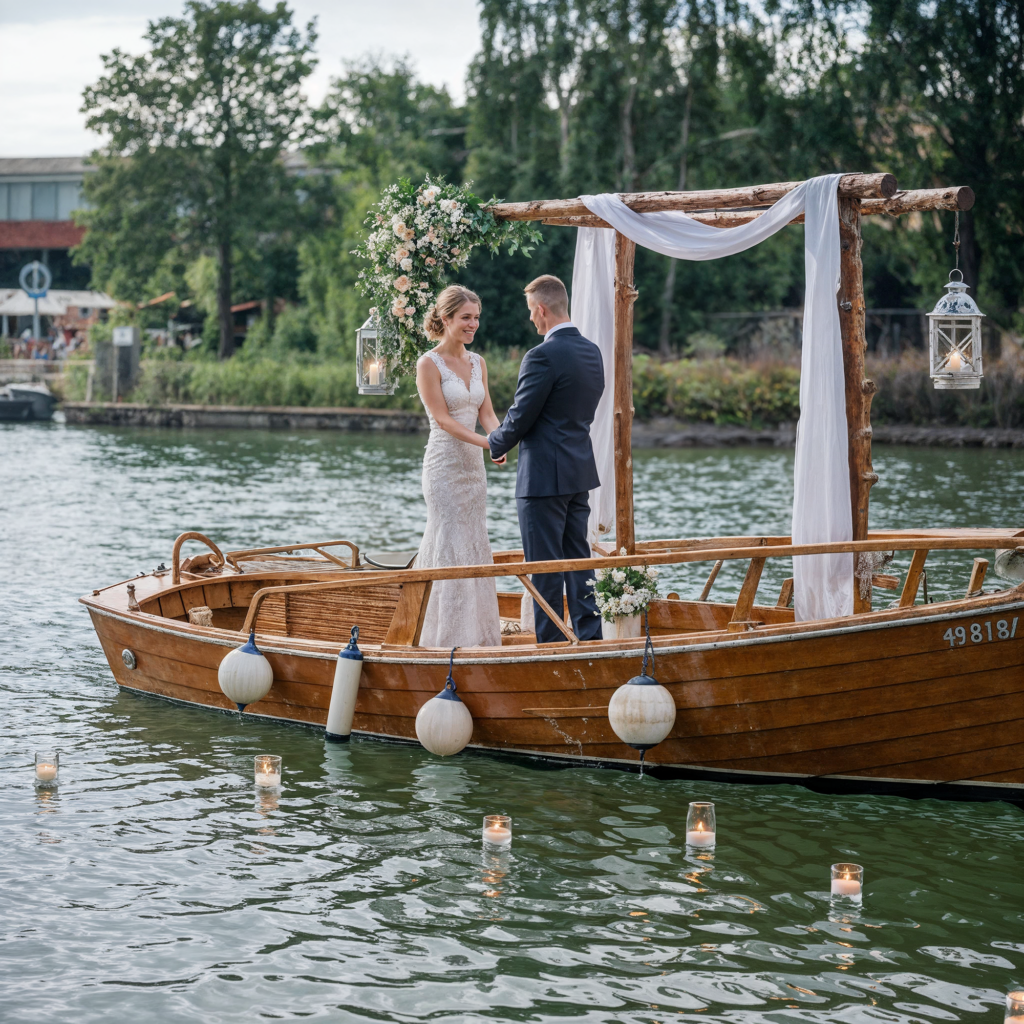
[642, 712]
[954, 333]
[954, 338]
[444, 725]
[371, 363]
[245, 675]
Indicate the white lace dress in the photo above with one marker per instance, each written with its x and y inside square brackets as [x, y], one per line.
[460, 613]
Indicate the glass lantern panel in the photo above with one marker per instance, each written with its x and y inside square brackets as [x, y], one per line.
[954, 350]
[372, 364]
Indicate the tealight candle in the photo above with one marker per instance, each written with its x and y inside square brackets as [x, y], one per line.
[700, 824]
[498, 829]
[1014, 1008]
[47, 766]
[847, 880]
[268, 771]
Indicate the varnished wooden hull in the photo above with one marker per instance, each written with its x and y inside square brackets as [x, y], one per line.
[880, 698]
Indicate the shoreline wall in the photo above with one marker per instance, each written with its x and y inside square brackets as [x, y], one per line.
[658, 433]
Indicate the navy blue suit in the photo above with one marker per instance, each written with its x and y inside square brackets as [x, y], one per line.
[560, 383]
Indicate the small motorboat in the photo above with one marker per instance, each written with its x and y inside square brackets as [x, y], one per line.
[39, 397]
[13, 409]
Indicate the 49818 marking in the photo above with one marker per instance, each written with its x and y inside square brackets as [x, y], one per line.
[981, 632]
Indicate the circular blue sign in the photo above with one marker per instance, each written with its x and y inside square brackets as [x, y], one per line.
[35, 279]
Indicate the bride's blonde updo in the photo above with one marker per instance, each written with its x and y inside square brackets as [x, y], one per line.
[448, 303]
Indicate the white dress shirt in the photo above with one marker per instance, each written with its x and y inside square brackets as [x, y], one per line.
[560, 327]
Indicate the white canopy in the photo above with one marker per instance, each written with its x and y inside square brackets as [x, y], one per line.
[821, 502]
[55, 303]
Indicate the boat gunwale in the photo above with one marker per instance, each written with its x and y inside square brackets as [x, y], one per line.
[976, 541]
[664, 645]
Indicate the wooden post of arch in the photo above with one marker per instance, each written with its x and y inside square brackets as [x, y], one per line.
[625, 296]
[859, 390]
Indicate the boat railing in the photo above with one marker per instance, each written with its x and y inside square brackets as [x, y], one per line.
[416, 583]
[247, 554]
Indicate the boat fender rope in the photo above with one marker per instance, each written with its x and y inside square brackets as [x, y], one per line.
[448, 693]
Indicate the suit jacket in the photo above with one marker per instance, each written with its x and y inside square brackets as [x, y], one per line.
[560, 384]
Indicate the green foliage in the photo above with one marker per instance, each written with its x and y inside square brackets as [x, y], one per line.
[259, 382]
[564, 98]
[418, 235]
[721, 391]
[197, 128]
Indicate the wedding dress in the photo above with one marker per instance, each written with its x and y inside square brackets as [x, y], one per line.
[460, 613]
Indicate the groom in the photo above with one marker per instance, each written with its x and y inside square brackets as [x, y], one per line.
[560, 384]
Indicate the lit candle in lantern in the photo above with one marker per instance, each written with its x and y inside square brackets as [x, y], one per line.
[47, 766]
[1014, 1008]
[498, 829]
[847, 880]
[700, 824]
[268, 771]
[955, 361]
[374, 375]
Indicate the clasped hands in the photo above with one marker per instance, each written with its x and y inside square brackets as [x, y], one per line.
[499, 461]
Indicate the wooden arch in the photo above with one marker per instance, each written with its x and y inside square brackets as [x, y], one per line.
[859, 195]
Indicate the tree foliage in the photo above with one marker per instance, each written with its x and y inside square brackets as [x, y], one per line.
[197, 128]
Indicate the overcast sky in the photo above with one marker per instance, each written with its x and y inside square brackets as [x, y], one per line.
[51, 51]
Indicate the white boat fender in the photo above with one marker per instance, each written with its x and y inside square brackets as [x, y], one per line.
[642, 712]
[1009, 564]
[245, 675]
[347, 674]
[444, 725]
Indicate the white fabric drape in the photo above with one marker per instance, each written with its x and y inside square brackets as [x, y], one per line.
[593, 312]
[823, 584]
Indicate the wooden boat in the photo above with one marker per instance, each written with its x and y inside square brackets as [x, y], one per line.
[926, 697]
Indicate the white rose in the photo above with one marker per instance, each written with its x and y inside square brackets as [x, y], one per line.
[406, 264]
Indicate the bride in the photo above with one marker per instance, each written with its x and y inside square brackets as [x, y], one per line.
[453, 388]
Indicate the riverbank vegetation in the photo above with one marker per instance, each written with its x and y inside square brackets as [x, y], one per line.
[721, 391]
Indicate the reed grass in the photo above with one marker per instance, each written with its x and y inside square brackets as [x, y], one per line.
[719, 391]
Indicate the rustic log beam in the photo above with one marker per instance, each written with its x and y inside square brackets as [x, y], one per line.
[858, 390]
[851, 186]
[959, 197]
[625, 296]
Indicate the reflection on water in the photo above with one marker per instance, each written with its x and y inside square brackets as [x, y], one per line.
[157, 884]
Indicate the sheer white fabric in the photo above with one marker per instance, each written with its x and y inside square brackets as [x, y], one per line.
[823, 584]
[593, 312]
[460, 613]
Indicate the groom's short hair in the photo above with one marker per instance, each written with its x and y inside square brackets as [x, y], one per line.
[550, 292]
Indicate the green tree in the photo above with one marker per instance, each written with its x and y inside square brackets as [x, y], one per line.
[380, 123]
[943, 93]
[197, 126]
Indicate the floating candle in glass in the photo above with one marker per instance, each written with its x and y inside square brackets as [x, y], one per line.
[268, 771]
[700, 824]
[1014, 1008]
[497, 829]
[47, 766]
[847, 880]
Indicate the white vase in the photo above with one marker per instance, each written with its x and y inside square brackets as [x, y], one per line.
[622, 628]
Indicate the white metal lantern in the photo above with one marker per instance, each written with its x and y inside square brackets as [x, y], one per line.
[954, 338]
[371, 363]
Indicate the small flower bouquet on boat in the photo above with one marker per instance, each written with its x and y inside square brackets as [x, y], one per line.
[622, 597]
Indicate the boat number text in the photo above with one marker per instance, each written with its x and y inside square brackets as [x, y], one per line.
[981, 632]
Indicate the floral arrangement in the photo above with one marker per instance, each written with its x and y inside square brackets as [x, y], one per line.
[626, 591]
[418, 233]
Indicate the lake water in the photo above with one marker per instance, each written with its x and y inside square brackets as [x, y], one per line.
[155, 885]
